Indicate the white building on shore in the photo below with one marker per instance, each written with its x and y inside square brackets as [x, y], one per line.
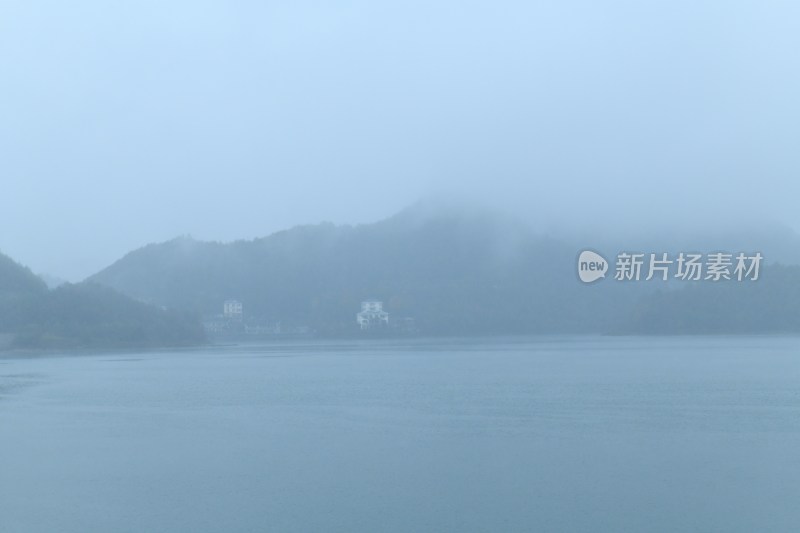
[232, 309]
[372, 315]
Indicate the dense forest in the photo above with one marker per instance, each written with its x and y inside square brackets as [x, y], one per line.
[454, 271]
[84, 315]
[770, 305]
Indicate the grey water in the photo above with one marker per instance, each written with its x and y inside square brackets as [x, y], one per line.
[548, 434]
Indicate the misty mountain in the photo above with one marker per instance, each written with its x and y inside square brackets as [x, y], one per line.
[455, 271]
[18, 281]
[85, 315]
[52, 282]
[769, 305]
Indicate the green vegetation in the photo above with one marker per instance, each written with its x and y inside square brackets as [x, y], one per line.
[83, 316]
[769, 305]
[456, 272]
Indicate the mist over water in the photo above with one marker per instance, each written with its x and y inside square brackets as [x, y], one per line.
[416, 181]
[137, 122]
[559, 434]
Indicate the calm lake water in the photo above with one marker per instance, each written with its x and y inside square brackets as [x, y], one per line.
[552, 434]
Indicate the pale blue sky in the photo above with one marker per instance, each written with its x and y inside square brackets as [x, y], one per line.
[123, 123]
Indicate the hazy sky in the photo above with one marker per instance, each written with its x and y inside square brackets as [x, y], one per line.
[127, 122]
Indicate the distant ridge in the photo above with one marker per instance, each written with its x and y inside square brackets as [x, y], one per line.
[455, 270]
[85, 315]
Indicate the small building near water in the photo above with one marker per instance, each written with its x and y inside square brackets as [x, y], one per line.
[232, 309]
[372, 315]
